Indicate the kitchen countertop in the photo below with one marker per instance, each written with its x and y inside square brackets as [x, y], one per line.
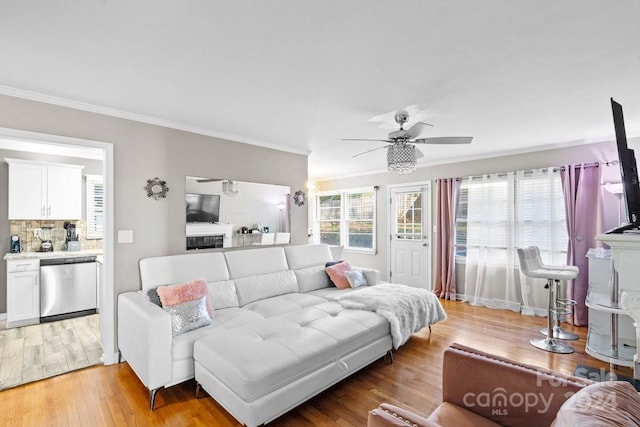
[52, 254]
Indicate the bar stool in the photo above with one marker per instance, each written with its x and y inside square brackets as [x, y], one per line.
[531, 266]
[563, 306]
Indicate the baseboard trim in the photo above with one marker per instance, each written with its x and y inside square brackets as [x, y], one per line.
[110, 358]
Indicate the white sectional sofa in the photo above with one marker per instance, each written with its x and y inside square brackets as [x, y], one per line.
[277, 339]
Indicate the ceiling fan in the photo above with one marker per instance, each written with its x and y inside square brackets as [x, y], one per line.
[401, 153]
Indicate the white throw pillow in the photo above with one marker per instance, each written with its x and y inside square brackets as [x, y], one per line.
[355, 278]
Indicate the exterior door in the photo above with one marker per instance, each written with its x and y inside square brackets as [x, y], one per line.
[409, 244]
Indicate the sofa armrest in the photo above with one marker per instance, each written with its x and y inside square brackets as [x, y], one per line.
[145, 339]
[371, 275]
[506, 392]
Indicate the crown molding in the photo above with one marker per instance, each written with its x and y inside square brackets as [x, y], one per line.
[112, 112]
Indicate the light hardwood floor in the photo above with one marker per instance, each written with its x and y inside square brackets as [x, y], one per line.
[39, 351]
[113, 395]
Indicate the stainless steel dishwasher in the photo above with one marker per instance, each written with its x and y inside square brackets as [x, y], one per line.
[67, 287]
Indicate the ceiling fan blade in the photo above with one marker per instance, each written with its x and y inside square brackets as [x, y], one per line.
[419, 154]
[444, 140]
[415, 130]
[366, 139]
[368, 151]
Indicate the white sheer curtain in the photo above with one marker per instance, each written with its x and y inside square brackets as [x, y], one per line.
[490, 227]
[507, 211]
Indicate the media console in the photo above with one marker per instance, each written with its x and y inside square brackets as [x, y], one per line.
[625, 252]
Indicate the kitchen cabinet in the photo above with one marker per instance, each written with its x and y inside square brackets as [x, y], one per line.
[40, 190]
[23, 292]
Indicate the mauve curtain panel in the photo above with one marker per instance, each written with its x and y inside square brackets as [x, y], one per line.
[581, 188]
[447, 196]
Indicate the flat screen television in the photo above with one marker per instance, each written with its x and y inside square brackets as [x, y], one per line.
[203, 207]
[628, 171]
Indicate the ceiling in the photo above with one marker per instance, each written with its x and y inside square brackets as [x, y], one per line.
[516, 75]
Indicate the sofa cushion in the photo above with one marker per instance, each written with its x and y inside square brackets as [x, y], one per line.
[182, 347]
[312, 278]
[164, 270]
[152, 295]
[223, 294]
[255, 262]
[188, 315]
[355, 278]
[608, 403]
[184, 292]
[255, 288]
[282, 304]
[258, 358]
[332, 293]
[303, 256]
[448, 414]
[337, 276]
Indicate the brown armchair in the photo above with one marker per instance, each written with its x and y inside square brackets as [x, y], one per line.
[480, 389]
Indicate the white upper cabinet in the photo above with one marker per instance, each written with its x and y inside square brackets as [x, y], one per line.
[39, 190]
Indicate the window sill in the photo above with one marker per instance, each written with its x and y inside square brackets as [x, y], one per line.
[361, 251]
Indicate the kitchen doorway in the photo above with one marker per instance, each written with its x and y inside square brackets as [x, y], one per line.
[71, 147]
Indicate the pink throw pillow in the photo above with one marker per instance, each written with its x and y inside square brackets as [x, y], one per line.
[337, 276]
[177, 294]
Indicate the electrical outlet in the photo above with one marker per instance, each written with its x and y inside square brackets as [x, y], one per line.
[37, 232]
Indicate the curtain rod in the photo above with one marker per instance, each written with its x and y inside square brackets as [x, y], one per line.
[554, 168]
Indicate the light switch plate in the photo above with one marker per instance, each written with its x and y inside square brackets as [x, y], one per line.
[125, 236]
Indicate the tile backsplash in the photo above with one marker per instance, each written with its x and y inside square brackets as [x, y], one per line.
[53, 230]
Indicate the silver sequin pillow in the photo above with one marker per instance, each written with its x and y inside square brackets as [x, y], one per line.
[188, 316]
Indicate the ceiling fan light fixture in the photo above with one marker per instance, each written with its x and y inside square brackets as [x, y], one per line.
[230, 188]
[401, 158]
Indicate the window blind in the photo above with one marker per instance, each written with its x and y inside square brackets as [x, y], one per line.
[95, 207]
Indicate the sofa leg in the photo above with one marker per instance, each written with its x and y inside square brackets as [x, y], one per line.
[152, 401]
[198, 390]
[388, 357]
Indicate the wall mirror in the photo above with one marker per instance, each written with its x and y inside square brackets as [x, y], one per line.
[222, 213]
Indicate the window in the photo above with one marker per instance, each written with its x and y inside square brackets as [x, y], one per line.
[521, 209]
[95, 207]
[347, 218]
[408, 223]
[329, 209]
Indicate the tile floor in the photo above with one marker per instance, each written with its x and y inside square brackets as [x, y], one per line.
[39, 351]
